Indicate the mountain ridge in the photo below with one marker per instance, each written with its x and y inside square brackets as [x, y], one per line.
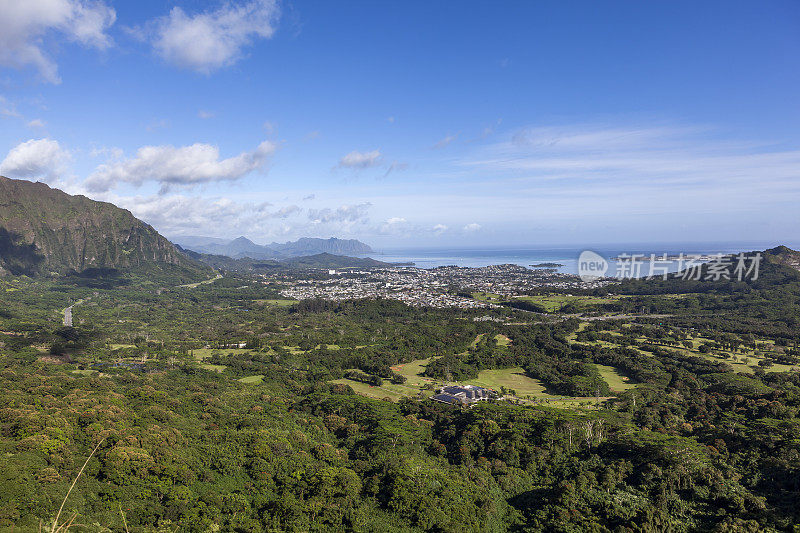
[322, 260]
[242, 247]
[46, 230]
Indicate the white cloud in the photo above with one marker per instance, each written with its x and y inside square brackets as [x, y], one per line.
[637, 182]
[25, 24]
[445, 141]
[180, 214]
[205, 114]
[191, 215]
[183, 166]
[36, 123]
[208, 41]
[472, 228]
[361, 160]
[345, 213]
[35, 159]
[286, 212]
[395, 226]
[401, 227]
[580, 157]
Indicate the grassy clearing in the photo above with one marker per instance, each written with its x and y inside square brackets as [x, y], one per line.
[487, 297]
[214, 368]
[502, 340]
[413, 372]
[276, 303]
[550, 302]
[554, 302]
[253, 380]
[401, 390]
[204, 353]
[121, 346]
[332, 347]
[616, 381]
[477, 340]
[528, 390]
[741, 366]
[510, 378]
[572, 336]
[384, 391]
[736, 360]
[294, 350]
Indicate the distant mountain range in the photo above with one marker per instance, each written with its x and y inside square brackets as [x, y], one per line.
[245, 248]
[45, 230]
[316, 261]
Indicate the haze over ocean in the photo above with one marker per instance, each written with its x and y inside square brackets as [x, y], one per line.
[566, 255]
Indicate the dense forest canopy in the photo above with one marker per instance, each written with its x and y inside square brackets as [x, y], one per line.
[223, 406]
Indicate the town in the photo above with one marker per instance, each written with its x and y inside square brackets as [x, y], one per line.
[441, 287]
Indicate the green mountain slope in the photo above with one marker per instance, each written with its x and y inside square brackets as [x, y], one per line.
[243, 248]
[326, 260]
[317, 261]
[46, 230]
[783, 255]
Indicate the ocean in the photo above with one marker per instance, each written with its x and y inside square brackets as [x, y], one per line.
[566, 256]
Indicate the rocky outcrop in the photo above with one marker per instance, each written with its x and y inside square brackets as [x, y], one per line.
[47, 230]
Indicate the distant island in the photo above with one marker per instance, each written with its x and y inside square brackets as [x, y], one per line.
[546, 265]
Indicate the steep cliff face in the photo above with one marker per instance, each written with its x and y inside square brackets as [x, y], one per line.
[243, 247]
[47, 230]
[308, 246]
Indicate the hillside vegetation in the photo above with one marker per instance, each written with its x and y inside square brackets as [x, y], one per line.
[44, 230]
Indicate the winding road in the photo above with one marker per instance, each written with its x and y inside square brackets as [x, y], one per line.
[68, 312]
[206, 282]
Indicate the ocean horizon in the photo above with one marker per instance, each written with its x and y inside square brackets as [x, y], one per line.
[567, 256]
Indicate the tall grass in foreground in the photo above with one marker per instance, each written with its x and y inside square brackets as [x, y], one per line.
[59, 528]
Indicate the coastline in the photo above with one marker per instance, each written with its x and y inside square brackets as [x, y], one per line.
[566, 257]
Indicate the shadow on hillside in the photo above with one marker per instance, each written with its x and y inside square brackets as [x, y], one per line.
[18, 257]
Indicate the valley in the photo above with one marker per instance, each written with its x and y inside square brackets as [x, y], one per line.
[273, 395]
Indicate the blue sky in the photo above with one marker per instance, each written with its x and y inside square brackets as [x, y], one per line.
[414, 123]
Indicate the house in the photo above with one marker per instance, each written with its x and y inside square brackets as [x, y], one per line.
[462, 394]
